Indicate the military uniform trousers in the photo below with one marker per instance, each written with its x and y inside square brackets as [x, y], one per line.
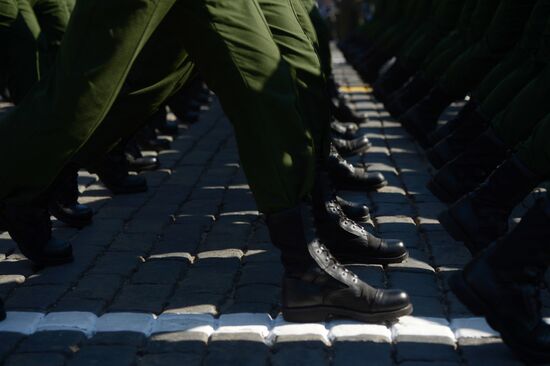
[119, 61]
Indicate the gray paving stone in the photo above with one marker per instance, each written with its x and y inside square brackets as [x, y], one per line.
[9, 282]
[104, 355]
[236, 353]
[253, 273]
[428, 306]
[358, 353]
[35, 297]
[8, 342]
[71, 303]
[416, 284]
[65, 342]
[188, 302]
[132, 339]
[299, 353]
[258, 293]
[177, 342]
[97, 286]
[36, 359]
[142, 298]
[487, 351]
[159, 271]
[417, 262]
[117, 263]
[167, 359]
[426, 351]
[139, 243]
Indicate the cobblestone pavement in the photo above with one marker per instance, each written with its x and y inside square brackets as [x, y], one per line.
[185, 274]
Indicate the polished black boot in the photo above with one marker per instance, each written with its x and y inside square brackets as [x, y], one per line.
[422, 118]
[503, 284]
[135, 161]
[347, 177]
[113, 172]
[63, 203]
[347, 131]
[461, 118]
[358, 212]
[391, 80]
[347, 240]
[463, 174]
[482, 216]
[147, 139]
[160, 122]
[408, 95]
[2, 311]
[351, 147]
[31, 228]
[316, 287]
[458, 141]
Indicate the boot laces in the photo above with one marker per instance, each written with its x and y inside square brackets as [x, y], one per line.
[332, 262]
[335, 208]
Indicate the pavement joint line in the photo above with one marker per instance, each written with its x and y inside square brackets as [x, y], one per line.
[407, 329]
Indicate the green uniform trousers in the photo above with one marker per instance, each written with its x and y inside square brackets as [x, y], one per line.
[31, 41]
[443, 20]
[519, 67]
[474, 19]
[322, 35]
[501, 36]
[120, 60]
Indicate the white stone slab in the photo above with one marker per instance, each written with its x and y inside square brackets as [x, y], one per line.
[199, 323]
[472, 328]
[411, 328]
[283, 328]
[547, 320]
[71, 320]
[346, 329]
[245, 323]
[21, 322]
[126, 322]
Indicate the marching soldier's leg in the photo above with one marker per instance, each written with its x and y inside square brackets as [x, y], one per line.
[53, 17]
[62, 111]
[22, 59]
[466, 72]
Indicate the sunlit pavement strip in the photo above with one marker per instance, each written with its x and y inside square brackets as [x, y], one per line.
[409, 328]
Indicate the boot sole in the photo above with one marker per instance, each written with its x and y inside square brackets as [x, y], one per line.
[75, 223]
[314, 314]
[439, 192]
[478, 307]
[373, 260]
[359, 151]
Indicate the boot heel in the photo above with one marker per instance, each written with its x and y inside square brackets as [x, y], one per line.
[449, 224]
[461, 289]
[304, 315]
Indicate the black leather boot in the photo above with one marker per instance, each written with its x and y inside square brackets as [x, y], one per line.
[503, 284]
[458, 141]
[113, 172]
[352, 147]
[2, 311]
[482, 216]
[31, 228]
[347, 177]
[135, 160]
[408, 95]
[160, 122]
[358, 212]
[316, 287]
[391, 80]
[347, 131]
[463, 174]
[449, 127]
[422, 119]
[63, 203]
[147, 139]
[346, 239]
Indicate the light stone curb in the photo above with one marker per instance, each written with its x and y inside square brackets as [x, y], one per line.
[408, 329]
